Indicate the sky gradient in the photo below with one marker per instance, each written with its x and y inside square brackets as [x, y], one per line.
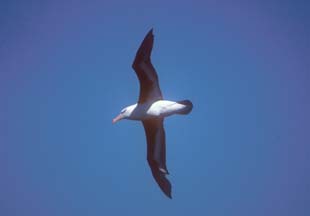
[65, 72]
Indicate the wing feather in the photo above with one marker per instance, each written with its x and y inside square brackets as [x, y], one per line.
[156, 152]
[146, 73]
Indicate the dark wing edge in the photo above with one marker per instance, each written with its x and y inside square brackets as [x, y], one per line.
[156, 153]
[146, 73]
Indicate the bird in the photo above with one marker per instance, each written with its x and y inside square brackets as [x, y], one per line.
[151, 109]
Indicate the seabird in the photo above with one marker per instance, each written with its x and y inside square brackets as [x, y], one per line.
[151, 109]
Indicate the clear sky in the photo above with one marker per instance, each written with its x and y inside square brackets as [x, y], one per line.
[65, 72]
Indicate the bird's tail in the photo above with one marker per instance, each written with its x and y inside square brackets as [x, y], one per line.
[188, 107]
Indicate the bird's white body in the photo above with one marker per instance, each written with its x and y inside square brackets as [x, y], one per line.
[160, 108]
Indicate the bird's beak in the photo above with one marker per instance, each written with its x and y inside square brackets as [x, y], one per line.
[117, 118]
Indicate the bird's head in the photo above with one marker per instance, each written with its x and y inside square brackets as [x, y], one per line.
[125, 113]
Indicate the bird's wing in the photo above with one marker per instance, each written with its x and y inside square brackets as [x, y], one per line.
[156, 152]
[149, 85]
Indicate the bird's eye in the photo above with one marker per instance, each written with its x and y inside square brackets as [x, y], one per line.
[124, 110]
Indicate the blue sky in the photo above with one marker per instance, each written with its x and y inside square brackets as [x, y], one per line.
[65, 72]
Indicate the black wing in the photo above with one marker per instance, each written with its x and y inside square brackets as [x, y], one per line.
[156, 152]
[149, 86]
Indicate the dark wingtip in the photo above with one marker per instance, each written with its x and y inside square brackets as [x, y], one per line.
[163, 183]
[167, 190]
[150, 33]
[169, 195]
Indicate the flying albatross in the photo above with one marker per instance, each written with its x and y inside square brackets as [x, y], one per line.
[151, 109]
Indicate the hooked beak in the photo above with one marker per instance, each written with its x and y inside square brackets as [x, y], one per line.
[117, 118]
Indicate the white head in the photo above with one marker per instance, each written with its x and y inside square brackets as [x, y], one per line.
[125, 113]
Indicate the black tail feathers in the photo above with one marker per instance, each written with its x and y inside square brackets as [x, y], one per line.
[188, 107]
